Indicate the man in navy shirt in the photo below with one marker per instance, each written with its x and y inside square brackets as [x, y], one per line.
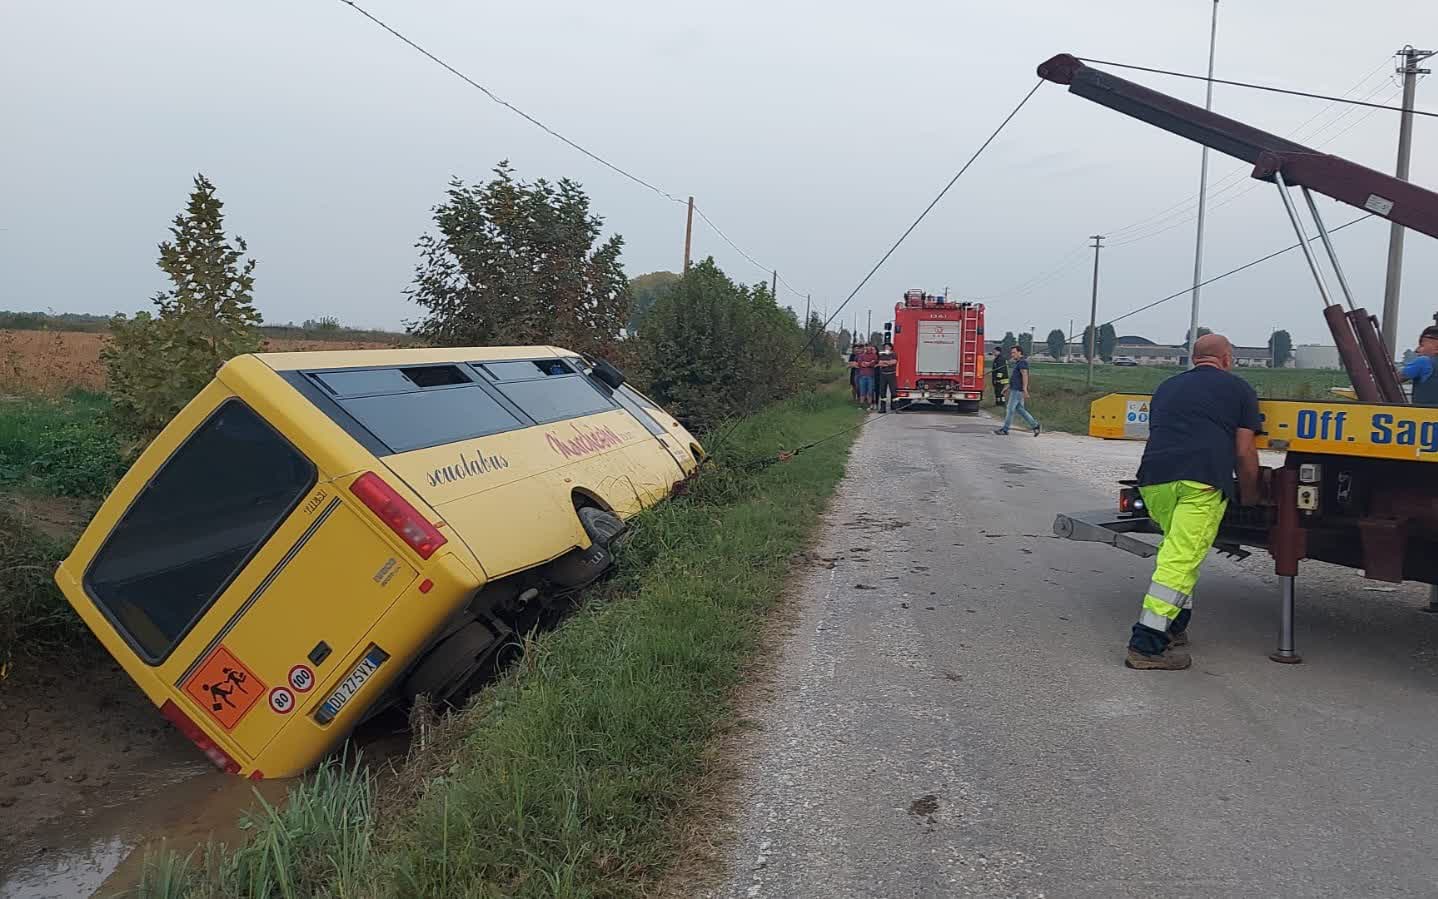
[1202, 425]
[1421, 370]
[1018, 395]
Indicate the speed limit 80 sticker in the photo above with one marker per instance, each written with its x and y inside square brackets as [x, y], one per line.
[282, 700]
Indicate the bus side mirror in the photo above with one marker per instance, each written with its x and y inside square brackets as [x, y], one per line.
[608, 374]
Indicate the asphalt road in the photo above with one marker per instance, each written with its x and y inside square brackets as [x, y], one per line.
[951, 716]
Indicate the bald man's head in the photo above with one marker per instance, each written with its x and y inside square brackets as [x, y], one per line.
[1213, 349]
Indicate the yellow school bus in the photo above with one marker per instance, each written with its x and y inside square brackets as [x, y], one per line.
[319, 535]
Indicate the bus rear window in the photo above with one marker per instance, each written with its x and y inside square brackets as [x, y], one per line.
[208, 509]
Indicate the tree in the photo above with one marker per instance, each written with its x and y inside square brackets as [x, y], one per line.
[713, 348]
[876, 338]
[1089, 345]
[155, 363]
[844, 341]
[519, 263]
[1008, 343]
[820, 344]
[643, 291]
[323, 323]
[1026, 343]
[1201, 332]
[1057, 344]
[1280, 348]
[1107, 341]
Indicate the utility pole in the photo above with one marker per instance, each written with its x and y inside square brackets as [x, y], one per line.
[774, 286]
[870, 328]
[688, 234]
[807, 298]
[1068, 343]
[1093, 309]
[1408, 68]
[1202, 194]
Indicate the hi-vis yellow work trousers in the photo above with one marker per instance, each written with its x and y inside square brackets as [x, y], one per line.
[1189, 513]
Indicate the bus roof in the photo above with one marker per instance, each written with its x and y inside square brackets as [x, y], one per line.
[364, 358]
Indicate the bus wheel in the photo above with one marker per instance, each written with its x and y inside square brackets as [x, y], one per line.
[604, 528]
[452, 663]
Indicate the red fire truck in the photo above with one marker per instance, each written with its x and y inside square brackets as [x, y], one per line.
[941, 351]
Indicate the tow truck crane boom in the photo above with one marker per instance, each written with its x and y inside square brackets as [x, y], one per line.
[1287, 164]
[1359, 483]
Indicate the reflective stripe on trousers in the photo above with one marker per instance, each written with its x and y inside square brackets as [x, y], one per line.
[1189, 514]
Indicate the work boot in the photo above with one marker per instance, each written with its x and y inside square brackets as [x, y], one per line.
[1178, 638]
[1171, 659]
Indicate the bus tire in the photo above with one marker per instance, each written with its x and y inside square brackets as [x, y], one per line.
[604, 528]
[451, 663]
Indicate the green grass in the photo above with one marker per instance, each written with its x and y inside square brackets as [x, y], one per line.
[48, 448]
[36, 623]
[1060, 395]
[59, 447]
[564, 778]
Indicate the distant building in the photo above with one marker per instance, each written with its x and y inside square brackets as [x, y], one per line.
[1317, 356]
[1146, 352]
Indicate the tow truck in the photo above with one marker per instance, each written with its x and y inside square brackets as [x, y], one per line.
[940, 345]
[1359, 483]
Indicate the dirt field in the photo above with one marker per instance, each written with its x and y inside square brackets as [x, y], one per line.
[55, 362]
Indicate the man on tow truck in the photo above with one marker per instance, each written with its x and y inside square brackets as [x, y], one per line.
[1202, 426]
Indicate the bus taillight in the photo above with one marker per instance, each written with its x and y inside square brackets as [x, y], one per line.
[402, 518]
[197, 736]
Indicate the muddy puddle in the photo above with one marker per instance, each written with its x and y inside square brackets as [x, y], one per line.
[92, 779]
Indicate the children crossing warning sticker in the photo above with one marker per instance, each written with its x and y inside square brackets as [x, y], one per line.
[224, 687]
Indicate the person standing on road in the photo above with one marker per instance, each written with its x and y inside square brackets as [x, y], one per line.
[888, 377]
[1018, 395]
[854, 371]
[1202, 425]
[1000, 376]
[1421, 370]
[868, 364]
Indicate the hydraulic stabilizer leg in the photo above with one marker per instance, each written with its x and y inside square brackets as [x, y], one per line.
[1285, 652]
[1432, 599]
[1287, 541]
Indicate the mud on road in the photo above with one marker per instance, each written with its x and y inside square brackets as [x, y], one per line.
[79, 753]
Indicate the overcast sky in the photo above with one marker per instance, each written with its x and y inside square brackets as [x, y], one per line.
[812, 133]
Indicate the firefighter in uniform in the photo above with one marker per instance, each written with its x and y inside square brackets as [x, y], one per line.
[1000, 373]
[1202, 425]
[888, 381]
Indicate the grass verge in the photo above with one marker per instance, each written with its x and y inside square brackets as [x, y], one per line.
[59, 447]
[563, 779]
[49, 448]
[35, 620]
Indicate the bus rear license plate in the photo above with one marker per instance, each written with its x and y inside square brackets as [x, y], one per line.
[330, 709]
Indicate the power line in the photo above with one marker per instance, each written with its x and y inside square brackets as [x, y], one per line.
[1248, 265]
[927, 209]
[718, 441]
[757, 264]
[1165, 220]
[1250, 86]
[553, 133]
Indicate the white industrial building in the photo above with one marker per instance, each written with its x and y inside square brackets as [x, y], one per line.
[1313, 355]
